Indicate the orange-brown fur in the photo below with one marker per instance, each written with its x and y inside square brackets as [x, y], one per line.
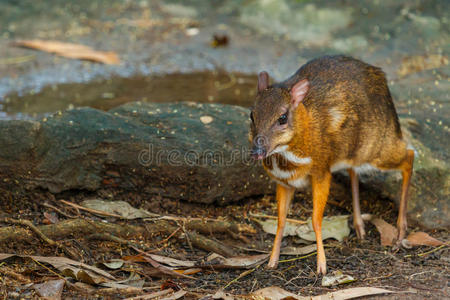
[346, 116]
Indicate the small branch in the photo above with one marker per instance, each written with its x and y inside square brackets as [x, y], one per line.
[428, 252]
[243, 274]
[58, 210]
[109, 237]
[43, 237]
[202, 242]
[298, 258]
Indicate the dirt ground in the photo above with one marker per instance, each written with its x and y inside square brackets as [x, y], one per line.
[413, 274]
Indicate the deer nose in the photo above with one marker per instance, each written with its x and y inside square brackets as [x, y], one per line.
[258, 153]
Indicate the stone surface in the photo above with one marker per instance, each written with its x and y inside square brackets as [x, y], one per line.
[159, 149]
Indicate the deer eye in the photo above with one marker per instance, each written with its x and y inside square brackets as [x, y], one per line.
[251, 117]
[283, 119]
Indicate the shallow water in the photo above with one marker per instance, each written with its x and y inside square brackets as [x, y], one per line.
[214, 87]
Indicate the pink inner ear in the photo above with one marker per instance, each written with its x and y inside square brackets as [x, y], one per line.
[263, 81]
[298, 92]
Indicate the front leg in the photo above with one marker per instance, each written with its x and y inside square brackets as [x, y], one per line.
[321, 188]
[284, 197]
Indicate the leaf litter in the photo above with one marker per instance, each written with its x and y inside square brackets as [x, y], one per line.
[182, 268]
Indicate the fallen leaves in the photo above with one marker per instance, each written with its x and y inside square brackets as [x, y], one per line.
[388, 234]
[69, 50]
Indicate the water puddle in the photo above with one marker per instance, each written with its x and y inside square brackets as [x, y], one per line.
[227, 88]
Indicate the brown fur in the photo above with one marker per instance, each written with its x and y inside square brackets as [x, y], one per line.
[347, 115]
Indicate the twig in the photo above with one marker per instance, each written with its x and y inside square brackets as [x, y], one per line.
[47, 268]
[170, 236]
[243, 274]
[58, 210]
[43, 237]
[202, 242]
[428, 252]
[297, 258]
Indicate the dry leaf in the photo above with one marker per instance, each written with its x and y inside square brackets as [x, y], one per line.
[171, 261]
[299, 250]
[165, 270]
[119, 208]
[70, 50]
[238, 262]
[190, 271]
[151, 295]
[352, 293]
[332, 227]
[388, 233]
[51, 218]
[114, 264]
[220, 294]
[422, 238]
[175, 296]
[51, 289]
[336, 278]
[276, 293]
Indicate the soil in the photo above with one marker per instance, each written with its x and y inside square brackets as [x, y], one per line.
[413, 276]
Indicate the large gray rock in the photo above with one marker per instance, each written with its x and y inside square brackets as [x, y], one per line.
[160, 149]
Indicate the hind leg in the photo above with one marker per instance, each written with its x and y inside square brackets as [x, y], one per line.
[358, 222]
[406, 167]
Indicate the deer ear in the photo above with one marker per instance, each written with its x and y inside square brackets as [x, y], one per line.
[263, 81]
[298, 92]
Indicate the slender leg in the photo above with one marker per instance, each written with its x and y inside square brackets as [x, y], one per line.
[321, 188]
[357, 219]
[406, 168]
[284, 197]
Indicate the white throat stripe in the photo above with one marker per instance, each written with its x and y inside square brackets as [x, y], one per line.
[295, 159]
[278, 173]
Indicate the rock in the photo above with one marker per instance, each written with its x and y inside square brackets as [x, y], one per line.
[159, 149]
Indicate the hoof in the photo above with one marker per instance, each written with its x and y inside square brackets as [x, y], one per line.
[272, 265]
[360, 231]
[321, 268]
